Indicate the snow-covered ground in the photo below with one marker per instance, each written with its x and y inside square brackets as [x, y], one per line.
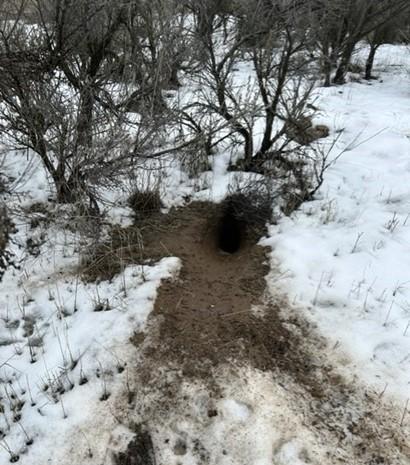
[345, 257]
[64, 344]
[345, 263]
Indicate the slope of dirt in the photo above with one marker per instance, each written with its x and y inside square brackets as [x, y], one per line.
[218, 309]
[218, 313]
[206, 317]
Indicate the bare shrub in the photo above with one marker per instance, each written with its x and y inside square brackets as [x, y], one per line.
[195, 158]
[277, 89]
[251, 202]
[338, 26]
[67, 86]
[145, 202]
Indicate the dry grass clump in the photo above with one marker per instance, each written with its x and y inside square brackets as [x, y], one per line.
[145, 202]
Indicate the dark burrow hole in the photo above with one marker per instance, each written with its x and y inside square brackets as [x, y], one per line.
[230, 233]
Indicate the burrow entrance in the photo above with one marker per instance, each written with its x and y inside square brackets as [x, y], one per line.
[230, 233]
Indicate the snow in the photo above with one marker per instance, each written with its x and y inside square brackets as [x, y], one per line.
[345, 256]
[343, 261]
[289, 454]
[64, 349]
[256, 422]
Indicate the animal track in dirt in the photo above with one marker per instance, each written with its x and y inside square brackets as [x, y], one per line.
[207, 317]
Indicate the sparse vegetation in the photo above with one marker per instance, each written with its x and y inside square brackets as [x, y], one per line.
[252, 205]
[144, 203]
[6, 229]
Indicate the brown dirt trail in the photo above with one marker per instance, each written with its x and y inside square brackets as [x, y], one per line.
[206, 315]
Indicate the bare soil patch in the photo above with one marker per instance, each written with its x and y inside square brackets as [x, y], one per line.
[217, 310]
[205, 317]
